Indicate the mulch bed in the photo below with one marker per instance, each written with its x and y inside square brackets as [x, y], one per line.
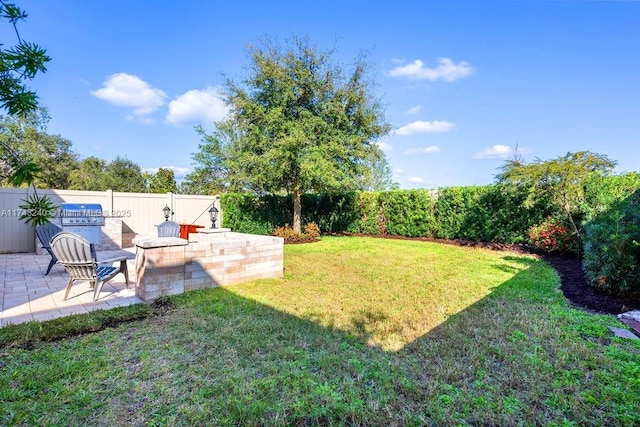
[574, 286]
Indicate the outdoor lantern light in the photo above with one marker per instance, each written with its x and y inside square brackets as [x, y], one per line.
[167, 212]
[213, 215]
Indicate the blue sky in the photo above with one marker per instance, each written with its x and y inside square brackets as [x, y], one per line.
[464, 82]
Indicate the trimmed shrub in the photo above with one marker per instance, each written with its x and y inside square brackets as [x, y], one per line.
[407, 212]
[312, 230]
[310, 234]
[247, 213]
[331, 212]
[449, 210]
[500, 215]
[369, 214]
[491, 213]
[612, 250]
[553, 235]
[287, 233]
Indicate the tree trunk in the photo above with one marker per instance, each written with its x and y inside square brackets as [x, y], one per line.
[576, 231]
[297, 211]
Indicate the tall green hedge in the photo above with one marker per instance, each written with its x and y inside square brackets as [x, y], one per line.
[491, 213]
[499, 214]
[332, 212]
[368, 215]
[487, 213]
[248, 213]
[406, 212]
[452, 207]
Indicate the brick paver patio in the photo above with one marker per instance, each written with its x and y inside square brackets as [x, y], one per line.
[27, 294]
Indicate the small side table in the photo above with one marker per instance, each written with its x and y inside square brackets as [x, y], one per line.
[123, 263]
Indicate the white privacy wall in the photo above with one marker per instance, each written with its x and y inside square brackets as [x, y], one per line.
[140, 212]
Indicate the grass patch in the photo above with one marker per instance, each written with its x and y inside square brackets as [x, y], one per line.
[360, 331]
[28, 334]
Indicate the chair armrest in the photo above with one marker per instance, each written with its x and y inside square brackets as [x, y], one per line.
[114, 259]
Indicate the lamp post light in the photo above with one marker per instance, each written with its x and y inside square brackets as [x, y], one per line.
[167, 211]
[213, 215]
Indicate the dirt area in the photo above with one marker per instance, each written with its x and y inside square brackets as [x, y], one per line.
[575, 288]
[573, 283]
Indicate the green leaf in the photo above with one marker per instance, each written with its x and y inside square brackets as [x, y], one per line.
[24, 173]
[37, 210]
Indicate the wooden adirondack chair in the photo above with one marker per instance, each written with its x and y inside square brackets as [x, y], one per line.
[45, 233]
[75, 254]
[169, 229]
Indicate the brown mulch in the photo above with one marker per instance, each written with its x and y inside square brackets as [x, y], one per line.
[574, 286]
[576, 289]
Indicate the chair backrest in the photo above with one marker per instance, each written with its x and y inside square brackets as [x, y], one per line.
[74, 253]
[46, 232]
[169, 229]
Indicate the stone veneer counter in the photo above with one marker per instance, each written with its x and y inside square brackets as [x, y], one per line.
[210, 258]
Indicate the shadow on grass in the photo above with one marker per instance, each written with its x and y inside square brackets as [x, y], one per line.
[501, 361]
[220, 358]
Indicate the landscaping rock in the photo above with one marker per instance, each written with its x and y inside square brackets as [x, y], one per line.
[631, 318]
[623, 333]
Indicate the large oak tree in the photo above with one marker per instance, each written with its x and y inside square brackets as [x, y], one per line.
[299, 122]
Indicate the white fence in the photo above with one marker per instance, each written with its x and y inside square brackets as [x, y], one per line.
[139, 212]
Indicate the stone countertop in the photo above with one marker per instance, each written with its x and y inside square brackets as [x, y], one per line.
[159, 242]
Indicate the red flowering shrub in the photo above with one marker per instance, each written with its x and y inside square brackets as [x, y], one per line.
[552, 236]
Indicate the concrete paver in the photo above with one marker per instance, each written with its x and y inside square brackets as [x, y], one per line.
[26, 294]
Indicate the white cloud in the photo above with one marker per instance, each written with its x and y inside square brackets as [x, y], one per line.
[496, 152]
[422, 126]
[413, 110]
[431, 149]
[197, 106]
[126, 90]
[384, 147]
[398, 171]
[446, 70]
[416, 180]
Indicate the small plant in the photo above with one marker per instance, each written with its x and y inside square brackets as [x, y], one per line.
[37, 210]
[287, 233]
[310, 234]
[552, 235]
[312, 231]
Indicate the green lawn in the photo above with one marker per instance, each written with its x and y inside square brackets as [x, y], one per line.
[360, 331]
